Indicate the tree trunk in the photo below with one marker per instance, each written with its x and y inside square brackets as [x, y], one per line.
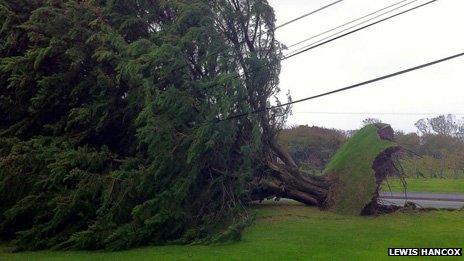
[288, 182]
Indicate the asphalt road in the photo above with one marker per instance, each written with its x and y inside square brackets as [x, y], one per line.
[426, 200]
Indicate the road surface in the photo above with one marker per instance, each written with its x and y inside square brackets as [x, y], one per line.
[425, 200]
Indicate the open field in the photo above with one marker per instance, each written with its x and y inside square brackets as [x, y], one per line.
[427, 185]
[295, 232]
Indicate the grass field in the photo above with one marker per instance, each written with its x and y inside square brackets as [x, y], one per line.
[295, 232]
[427, 185]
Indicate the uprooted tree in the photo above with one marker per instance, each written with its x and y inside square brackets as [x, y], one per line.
[114, 128]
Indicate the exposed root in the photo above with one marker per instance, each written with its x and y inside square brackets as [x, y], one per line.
[286, 181]
[385, 165]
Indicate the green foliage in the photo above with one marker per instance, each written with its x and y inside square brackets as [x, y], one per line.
[110, 131]
[49, 189]
[351, 168]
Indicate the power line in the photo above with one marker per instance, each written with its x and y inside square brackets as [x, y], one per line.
[356, 30]
[308, 14]
[349, 87]
[346, 29]
[351, 27]
[347, 23]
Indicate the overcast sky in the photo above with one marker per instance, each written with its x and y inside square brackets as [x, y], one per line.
[426, 34]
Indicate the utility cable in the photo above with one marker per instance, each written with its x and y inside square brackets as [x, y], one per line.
[345, 24]
[354, 31]
[308, 14]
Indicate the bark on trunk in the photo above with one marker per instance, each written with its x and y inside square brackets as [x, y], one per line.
[289, 182]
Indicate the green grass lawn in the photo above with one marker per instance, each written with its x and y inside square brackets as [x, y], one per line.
[427, 185]
[296, 232]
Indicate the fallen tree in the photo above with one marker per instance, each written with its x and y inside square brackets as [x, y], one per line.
[117, 125]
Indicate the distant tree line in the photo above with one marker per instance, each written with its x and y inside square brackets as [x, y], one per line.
[312, 147]
[437, 150]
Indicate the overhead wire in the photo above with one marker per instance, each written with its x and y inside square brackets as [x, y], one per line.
[310, 47]
[345, 24]
[349, 28]
[307, 14]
